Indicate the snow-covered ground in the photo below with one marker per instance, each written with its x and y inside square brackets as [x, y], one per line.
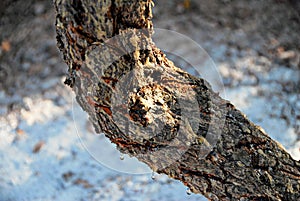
[49, 151]
[43, 157]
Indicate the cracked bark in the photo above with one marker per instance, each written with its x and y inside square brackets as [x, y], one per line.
[154, 111]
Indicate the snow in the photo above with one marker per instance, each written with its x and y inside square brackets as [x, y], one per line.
[39, 176]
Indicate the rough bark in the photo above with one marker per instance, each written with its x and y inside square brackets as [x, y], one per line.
[163, 116]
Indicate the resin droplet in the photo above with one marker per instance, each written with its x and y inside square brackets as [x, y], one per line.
[153, 176]
[122, 157]
[188, 191]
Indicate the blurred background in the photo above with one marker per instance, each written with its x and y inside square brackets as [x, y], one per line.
[255, 46]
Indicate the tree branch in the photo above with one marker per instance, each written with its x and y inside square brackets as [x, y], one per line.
[158, 113]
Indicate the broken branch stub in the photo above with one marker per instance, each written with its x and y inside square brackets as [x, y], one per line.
[152, 110]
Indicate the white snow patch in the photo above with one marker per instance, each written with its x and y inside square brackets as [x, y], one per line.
[40, 110]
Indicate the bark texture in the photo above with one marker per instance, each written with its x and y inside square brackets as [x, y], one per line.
[165, 117]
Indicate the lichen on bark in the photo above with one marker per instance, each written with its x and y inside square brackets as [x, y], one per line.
[154, 111]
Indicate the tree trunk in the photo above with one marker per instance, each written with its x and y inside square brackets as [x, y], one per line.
[162, 115]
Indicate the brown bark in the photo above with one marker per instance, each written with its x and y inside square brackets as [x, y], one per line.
[160, 114]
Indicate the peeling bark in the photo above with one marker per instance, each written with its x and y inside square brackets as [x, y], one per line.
[165, 117]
